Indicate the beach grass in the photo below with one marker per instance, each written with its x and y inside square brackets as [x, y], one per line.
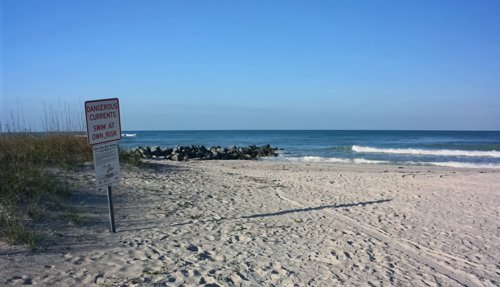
[131, 159]
[29, 163]
[30, 186]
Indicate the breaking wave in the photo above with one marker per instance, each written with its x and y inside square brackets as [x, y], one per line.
[333, 160]
[129, 135]
[442, 152]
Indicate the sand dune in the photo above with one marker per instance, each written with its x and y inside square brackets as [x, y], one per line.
[246, 223]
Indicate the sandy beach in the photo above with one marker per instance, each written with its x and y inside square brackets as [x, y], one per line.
[265, 223]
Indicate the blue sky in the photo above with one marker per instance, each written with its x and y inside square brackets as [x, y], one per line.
[257, 64]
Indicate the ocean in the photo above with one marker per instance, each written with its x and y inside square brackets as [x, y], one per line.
[470, 149]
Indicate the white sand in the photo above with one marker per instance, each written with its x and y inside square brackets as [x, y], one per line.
[243, 223]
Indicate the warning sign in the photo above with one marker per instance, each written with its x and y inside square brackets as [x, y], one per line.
[107, 164]
[103, 121]
[103, 129]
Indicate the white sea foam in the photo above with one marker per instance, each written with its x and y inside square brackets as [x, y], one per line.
[454, 164]
[464, 164]
[442, 152]
[370, 161]
[322, 159]
[129, 135]
[332, 160]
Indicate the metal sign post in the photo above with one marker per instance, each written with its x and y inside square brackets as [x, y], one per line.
[111, 212]
[103, 129]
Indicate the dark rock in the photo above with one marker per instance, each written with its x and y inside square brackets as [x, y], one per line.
[182, 153]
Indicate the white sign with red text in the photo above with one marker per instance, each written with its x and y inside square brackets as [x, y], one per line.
[103, 121]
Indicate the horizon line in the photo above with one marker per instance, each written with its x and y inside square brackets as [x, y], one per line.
[218, 130]
[251, 130]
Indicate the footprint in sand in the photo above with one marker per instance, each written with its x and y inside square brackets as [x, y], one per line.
[19, 280]
[192, 248]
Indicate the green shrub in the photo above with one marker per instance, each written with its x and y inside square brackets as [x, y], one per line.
[131, 158]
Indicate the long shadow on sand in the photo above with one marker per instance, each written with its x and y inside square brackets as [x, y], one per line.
[283, 212]
[345, 205]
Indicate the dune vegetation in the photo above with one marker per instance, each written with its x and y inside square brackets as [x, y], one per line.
[29, 183]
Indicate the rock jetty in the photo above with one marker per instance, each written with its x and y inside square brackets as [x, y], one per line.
[182, 153]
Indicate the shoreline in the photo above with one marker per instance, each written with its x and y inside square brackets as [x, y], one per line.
[250, 223]
[365, 162]
[270, 153]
